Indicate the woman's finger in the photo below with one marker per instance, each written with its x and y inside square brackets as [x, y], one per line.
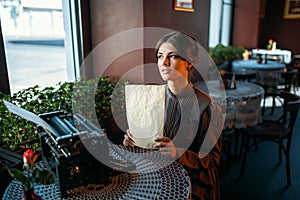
[129, 133]
[168, 150]
[159, 144]
[128, 141]
[162, 139]
[158, 138]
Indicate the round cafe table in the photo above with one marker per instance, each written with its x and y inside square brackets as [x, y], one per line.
[242, 104]
[146, 182]
[241, 107]
[268, 74]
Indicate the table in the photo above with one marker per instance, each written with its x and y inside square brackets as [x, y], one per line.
[242, 109]
[146, 182]
[242, 104]
[286, 55]
[268, 74]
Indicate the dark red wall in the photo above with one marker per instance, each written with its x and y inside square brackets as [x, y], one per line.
[246, 23]
[286, 32]
[158, 13]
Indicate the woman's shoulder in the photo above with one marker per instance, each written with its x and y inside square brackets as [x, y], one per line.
[202, 96]
[208, 103]
[204, 100]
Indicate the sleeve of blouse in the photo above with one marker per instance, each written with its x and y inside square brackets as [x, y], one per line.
[210, 137]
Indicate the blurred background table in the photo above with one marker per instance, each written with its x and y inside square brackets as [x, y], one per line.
[147, 182]
[266, 73]
[242, 104]
[285, 56]
[243, 109]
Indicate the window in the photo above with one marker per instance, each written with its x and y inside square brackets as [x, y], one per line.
[220, 22]
[38, 42]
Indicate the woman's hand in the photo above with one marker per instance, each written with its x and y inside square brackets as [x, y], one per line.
[128, 141]
[165, 145]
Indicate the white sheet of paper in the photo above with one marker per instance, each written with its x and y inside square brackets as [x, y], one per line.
[25, 114]
[145, 108]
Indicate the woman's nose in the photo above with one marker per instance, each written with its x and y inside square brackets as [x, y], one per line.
[166, 61]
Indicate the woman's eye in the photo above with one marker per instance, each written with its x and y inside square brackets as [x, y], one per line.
[174, 56]
[160, 56]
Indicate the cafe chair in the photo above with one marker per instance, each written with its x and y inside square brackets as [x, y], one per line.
[288, 97]
[288, 78]
[294, 66]
[297, 79]
[227, 155]
[280, 132]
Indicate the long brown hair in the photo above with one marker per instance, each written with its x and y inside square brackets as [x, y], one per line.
[187, 48]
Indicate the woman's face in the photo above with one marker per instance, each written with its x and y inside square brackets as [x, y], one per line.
[171, 66]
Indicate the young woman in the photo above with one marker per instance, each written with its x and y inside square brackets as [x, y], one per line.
[193, 120]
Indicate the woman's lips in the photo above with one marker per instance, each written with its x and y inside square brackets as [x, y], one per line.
[165, 71]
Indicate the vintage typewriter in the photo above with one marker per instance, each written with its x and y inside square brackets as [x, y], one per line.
[64, 151]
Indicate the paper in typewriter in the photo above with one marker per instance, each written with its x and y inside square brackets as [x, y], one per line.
[25, 114]
[145, 109]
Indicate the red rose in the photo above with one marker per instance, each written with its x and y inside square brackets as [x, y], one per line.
[34, 175]
[29, 157]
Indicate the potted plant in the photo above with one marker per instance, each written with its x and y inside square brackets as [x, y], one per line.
[224, 55]
[217, 54]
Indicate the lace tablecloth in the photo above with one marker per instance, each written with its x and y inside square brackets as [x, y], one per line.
[242, 103]
[268, 74]
[146, 182]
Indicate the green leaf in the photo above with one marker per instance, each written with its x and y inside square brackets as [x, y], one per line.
[43, 177]
[16, 173]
